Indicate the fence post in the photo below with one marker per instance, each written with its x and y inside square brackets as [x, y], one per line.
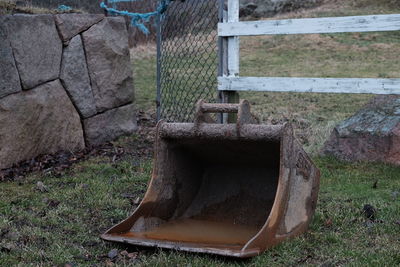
[229, 54]
[159, 55]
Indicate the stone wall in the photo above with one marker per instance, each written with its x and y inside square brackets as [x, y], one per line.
[65, 83]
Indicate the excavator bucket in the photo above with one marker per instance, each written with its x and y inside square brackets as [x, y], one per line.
[226, 189]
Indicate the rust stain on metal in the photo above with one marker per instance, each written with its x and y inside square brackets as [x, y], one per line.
[198, 231]
[227, 189]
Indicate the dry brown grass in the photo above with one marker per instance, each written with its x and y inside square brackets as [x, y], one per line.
[143, 51]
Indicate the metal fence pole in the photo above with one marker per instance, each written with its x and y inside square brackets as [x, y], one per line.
[221, 4]
[159, 39]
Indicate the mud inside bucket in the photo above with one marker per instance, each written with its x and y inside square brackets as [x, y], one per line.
[221, 188]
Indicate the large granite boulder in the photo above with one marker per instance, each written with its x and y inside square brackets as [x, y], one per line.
[9, 78]
[38, 121]
[69, 25]
[75, 77]
[37, 48]
[106, 46]
[268, 8]
[372, 134]
[110, 124]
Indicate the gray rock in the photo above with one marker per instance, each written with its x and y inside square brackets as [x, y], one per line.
[110, 70]
[112, 254]
[75, 77]
[69, 25]
[110, 125]
[9, 78]
[372, 134]
[37, 48]
[38, 121]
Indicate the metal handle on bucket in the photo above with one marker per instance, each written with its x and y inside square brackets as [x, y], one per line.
[243, 110]
[219, 108]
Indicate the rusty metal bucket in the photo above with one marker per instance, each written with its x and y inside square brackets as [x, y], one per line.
[226, 189]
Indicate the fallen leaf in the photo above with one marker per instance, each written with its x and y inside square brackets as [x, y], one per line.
[137, 201]
[41, 187]
[124, 253]
[328, 222]
[7, 248]
[109, 262]
[133, 255]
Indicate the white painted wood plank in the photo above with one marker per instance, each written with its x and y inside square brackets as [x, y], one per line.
[233, 10]
[369, 23]
[315, 85]
[233, 42]
[233, 58]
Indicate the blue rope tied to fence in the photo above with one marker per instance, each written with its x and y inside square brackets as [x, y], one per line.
[138, 19]
[64, 8]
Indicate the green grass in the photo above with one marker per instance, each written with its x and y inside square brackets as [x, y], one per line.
[145, 82]
[92, 197]
[63, 225]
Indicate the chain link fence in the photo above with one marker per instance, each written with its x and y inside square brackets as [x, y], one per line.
[187, 58]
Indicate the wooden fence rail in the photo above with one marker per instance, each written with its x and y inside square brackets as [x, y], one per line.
[230, 30]
[312, 25]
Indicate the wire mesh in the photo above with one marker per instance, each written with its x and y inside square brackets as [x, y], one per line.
[188, 58]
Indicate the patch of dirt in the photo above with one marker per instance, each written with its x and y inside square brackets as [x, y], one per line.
[140, 145]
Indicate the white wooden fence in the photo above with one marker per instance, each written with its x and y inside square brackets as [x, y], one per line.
[231, 28]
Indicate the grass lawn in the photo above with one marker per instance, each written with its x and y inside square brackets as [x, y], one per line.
[61, 223]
